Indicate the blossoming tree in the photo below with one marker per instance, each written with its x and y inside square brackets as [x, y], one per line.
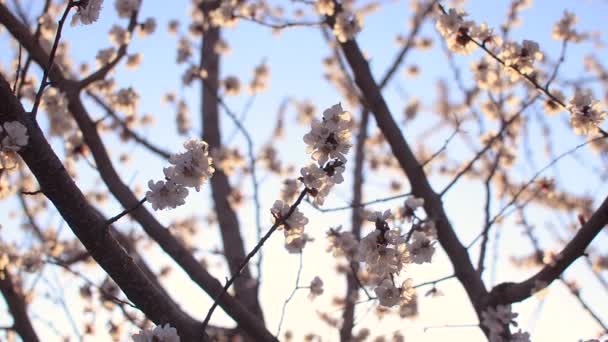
[377, 196]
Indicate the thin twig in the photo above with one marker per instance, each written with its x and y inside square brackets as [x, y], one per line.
[125, 212]
[251, 254]
[296, 288]
[45, 74]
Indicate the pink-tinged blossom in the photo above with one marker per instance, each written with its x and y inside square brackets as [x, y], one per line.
[586, 113]
[87, 12]
[421, 248]
[166, 194]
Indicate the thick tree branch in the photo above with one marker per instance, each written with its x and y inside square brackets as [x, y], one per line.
[245, 287]
[170, 245]
[506, 293]
[17, 306]
[421, 187]
[89, 227]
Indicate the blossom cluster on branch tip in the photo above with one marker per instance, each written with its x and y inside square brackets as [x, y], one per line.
[189, 169]
[458, 32]
[161, 333]
[328, 141]
[87, 12]
[386, 251]
[585, 113]
[463, 36]
[330, 137]
[292, 226]
[520, 58]
[564, 29]
[497, 320]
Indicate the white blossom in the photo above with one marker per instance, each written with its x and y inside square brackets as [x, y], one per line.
[160, 333]
[520, 57]
[564, 28]
[347, 25]
[15, 136]
[166, 194]
[316, 287]
[147, 27]
[325, 7]
[388, 295]
[119, 36]
[421, 248]
[87, 12]
[296, 220]
[125, 8]
[586, 114]
[496, 319]
[380, 216]
[193, 167]
[330, 138]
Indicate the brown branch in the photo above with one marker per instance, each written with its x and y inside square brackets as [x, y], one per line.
[112, 113]
[253, 252]
[507, 293]
[28, 60]
[353, 283]
[88, 226]
[234, 247]
[421, 187]
[170, 245]
[488, 145]
[47, 67]
[102, 72]
[17, 306]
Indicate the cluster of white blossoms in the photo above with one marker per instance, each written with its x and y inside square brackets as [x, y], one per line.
[347, 26]
[585, 113]
[161, 333]
[189, 169]
[325, 7]
[385, 252]
[292, 226]
[520, 57]
[564, 28]
[224, 15]
[126, 101]
[328, 141]
[119, 36]
[87, 12]
[13, 136]
[458, 32]
[497, 319]
[105, 56]
[464, 36]
[330, 137]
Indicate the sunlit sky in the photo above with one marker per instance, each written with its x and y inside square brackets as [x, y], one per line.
[295, 59]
